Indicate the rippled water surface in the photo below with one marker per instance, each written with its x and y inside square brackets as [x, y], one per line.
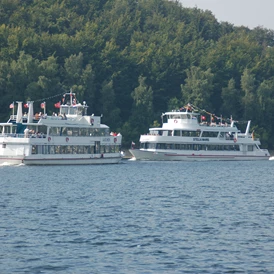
[138, 217]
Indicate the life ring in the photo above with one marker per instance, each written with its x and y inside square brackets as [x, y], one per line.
[235, 140]
[175, 121]
[67, 139]
[49, 139]
[115, 140]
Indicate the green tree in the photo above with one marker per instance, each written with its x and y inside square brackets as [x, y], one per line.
[265, 93]
[142, 114]
[249, 99]
[198, 87]
[89, 88]
[73, 69]
[231, 100]
[111, 114]
[173, 104]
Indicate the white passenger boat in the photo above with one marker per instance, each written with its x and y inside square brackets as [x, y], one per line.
[187, 136]
[73, 137]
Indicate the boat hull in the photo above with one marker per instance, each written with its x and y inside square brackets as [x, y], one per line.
[182, 156]
[92, 160]
[10, 161]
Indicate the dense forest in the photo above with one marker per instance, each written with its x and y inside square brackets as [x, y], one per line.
[132, 60]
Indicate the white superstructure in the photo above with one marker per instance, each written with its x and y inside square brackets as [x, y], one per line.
[187, 136]
[72, 137]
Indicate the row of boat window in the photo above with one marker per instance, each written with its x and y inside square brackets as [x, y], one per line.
[193, 146]
[189, 133]
[181, 116]
[75, 131]
[40, 131]
[75, 149]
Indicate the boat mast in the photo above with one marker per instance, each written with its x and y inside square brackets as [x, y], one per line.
[247, 129]
[13, 110]
[19, 112]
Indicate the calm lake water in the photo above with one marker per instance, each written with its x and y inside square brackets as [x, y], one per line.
[138, 217]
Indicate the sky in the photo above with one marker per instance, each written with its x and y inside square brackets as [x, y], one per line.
[248, 13]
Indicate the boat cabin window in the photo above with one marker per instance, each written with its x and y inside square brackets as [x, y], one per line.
[177, 132]
[37, 129]
[166, 132]
[180, 116]
[99, 132]
[162, 132]
[154, 132]
[230, 135]
[75, 131]
[84, 132]
[55, 131]
[161, 146]
[148, 145]
[74, 149]
[151, 145]
[210, 133]
[188, 133]
[221, 134]
[70, 110]
[191, 146]
[175, 116]
[250, 148]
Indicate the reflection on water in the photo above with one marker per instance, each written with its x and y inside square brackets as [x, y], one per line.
[138, 217]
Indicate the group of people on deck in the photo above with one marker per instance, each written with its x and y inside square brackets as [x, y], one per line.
[37, 116]
[30, 133]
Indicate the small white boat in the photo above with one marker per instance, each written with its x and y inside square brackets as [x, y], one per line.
[73, 137]
[186, 135]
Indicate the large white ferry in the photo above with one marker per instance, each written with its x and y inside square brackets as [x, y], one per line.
[187, 136]
[72, 137]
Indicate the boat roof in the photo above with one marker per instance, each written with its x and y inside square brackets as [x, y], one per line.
[181, 112]
[71, 113]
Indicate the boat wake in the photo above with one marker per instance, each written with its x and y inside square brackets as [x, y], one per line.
[5, 164]
[271, 158]
[132, 159]
[10, 164]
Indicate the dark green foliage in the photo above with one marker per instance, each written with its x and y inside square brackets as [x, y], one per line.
[99, 49]
[198, 87]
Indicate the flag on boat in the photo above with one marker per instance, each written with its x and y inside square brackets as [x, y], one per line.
[12, 105]
[57, 105]
[26, 105]
[43, 105]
